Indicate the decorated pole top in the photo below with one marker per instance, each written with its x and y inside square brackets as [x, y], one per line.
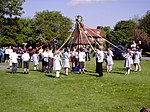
[78, 18]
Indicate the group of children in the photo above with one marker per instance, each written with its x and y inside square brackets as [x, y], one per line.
[131, 58]
[52, 60]
[13, 60]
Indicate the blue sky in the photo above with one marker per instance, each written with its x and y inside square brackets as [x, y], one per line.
[94, 12]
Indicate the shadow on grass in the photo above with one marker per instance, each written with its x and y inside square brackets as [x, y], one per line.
[116, 72]
[10, 72]
[51, 76]
[93, 74]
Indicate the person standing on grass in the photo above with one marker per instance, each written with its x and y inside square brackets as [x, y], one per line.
[82, 57]
[26, 59]
[137, 57]
[13, 57]
[66, 63]
[8, 51]
[128, 61]
[109, 59]
[99, 61]
[40, 54]
[35, 60]
[20, 53]
[45, 60]
[50, 60]
[57, 63]
[76, 55]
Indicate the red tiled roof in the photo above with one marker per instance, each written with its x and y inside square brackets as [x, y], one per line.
[81, 37]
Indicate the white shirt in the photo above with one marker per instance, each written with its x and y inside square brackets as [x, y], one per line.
[82, 56]
[25, 57]
[50, 54]
[45, 54]
[13, 57]
[100, 55]
[7, 51]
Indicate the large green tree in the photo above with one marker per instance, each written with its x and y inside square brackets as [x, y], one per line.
[124, 32]
[49, 24]
[143, 32]
[10, 10]
[145, 23]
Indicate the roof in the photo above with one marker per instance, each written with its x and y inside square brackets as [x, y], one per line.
[80, 37]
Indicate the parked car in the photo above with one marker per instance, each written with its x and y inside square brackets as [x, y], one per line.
[118, 52]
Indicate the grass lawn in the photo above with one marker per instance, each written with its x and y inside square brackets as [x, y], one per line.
[40, 92]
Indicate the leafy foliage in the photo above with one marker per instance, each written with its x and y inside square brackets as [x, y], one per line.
[50, 24]
[11, 8]
[145, 23]
[124, 31]
[9, 11]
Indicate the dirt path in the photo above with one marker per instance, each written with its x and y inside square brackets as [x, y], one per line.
[145, 58]
[3, 67]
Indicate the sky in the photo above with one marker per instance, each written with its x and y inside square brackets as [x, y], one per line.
[94, 12]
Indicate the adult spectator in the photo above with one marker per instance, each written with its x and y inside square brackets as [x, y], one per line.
[133, 46]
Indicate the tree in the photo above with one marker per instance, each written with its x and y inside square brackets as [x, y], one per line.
[10, 10]
[17, 33]
[145, 23]
[124, 32]
[50, 24]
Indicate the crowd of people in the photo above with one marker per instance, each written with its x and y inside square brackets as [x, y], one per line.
[57, 59]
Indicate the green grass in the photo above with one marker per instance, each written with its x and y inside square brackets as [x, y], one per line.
[40, 92]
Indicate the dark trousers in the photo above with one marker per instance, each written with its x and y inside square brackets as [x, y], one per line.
[50, 65]
[0, 59]
[87, 56]
[14, 67]
[96, 66]
[99, 69]
[6, 57]
[76, 61]
[20, 63]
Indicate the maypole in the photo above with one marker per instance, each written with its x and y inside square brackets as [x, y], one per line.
[78, 19]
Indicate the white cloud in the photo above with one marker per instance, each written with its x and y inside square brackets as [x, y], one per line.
[77, 2]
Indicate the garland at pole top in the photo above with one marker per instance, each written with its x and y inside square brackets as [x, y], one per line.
[103, 38]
